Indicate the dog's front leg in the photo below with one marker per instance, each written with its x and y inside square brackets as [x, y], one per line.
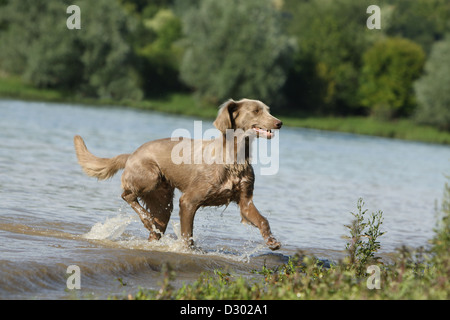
[250, 214]
[187, 214]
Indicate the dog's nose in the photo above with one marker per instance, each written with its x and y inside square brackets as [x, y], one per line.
[278, 124]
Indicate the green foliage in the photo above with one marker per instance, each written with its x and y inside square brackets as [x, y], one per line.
[310, 57]
[106, 28]
[13, 87]
[38, 46]
[363, 238]
[331, 36]
[390, 68]
[158, 52]
[235, 49]
[441, 240]
[432, 88]
[422, 21]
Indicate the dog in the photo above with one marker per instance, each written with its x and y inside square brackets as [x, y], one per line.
[150, 174]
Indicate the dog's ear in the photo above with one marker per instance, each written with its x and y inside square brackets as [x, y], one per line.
[224, 118]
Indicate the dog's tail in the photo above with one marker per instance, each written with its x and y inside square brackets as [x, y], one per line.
[101, 168]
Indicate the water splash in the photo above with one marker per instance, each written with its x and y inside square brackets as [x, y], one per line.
[111, 233]
[111, 229]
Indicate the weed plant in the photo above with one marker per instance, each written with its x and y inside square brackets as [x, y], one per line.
[363, 239]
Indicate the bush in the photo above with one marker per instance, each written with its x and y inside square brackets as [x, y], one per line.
[235, 49]
[389, 69]
[432, 89]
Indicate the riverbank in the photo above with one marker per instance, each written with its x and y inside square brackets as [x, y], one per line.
[419, 274]
[185, 104]
[306, 278]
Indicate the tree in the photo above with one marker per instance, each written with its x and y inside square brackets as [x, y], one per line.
[331, 36]
[94, 61]
[160, 55]
[390, 68]
[235, 49]
[422, 21]
[432, 89]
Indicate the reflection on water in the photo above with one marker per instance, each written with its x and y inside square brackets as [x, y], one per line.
[52, 215]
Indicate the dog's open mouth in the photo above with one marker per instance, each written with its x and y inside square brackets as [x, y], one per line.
[265, 133]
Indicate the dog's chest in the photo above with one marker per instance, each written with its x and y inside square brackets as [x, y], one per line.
[232, 185]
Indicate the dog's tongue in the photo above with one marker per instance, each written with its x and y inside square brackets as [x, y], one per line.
[264, 133]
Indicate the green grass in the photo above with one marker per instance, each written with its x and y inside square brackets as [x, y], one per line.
[176, 103]
[13, 87]
[186, 104]
[399, 129]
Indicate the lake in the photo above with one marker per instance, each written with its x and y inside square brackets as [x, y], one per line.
[53, 216]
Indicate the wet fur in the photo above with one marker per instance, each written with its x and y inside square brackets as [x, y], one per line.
[150, 176]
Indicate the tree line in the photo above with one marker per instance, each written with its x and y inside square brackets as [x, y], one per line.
[303, 57]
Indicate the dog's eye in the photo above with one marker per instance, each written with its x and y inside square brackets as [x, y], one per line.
[256, 111]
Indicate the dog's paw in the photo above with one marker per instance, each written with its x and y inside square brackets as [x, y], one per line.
[273, 244]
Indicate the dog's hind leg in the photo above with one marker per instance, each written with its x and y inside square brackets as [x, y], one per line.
[143, 214]
[159, 204]
[142, 180]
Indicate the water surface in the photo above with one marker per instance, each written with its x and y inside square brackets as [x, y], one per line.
[53, 216]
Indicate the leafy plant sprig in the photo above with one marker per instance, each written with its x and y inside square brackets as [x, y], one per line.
[363, 238]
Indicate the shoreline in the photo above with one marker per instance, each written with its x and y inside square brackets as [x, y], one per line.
[185, 104]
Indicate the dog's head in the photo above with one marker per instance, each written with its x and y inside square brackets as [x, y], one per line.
[252, 116]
